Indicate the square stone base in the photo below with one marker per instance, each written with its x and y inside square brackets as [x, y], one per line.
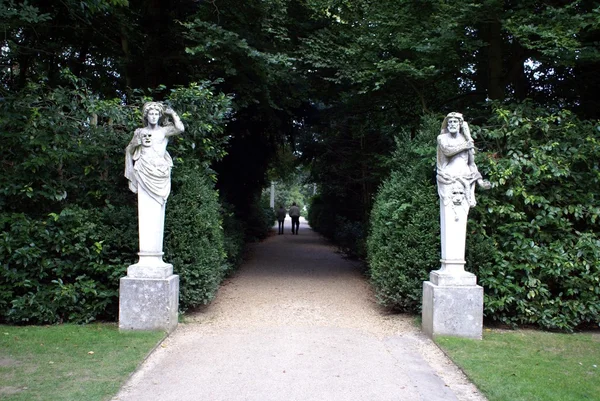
[452, 310]
[148, 303]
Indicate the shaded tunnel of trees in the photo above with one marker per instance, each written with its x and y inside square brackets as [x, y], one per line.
[337, 92]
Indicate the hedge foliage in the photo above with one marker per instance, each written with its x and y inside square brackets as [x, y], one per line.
[194, 237]
[403, 242]
[64, 267]
[533, 239]
[348, 235]
[68, 220]
[540, 222]
[258, 218]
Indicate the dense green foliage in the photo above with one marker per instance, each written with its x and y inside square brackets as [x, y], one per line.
[64, 267]
[404, 234]
[390, 63]
[259, 218]
[532, 239]
[541, 219]
[69, 224]
[328, 84]
[194, 237]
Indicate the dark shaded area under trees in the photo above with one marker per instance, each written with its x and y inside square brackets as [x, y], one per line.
[334, 82]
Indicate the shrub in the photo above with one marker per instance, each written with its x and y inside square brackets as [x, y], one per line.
[403, 245]
[542, 262]
[533, 239]
[321, 216]
[350, 237]
[233, 229]
[259, 219]
[69, 224]
[194, 238]
[65, 267]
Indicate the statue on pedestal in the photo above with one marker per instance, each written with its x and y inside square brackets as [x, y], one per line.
[457, 175]
[148, 169]
[452, 300]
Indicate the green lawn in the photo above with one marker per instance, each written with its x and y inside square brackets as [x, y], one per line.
[527, 365]
[69, 362]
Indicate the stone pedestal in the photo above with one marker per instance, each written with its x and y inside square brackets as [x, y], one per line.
[452, 305]
[149, 294]
[452, 300]
[147, 303]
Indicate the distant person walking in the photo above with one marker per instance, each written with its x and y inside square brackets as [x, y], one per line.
[295, 215]
[281, 213]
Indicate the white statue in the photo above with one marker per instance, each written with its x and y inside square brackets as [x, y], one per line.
[148, 169]
[456, 160]
[456, 178]
[452, 300]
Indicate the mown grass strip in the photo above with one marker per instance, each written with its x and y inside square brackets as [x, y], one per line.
[69, 362]
[528, 365]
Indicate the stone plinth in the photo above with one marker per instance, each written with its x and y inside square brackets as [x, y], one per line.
[452, 305]
[147, 303]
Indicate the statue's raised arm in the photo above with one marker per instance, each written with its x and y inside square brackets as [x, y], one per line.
[177, 127]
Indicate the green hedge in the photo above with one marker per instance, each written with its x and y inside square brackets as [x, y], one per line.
[259, 219]
[540, 262]
[68, 222]
[194, 236]
[533, 239]
[348, 235]
[403, 245]
[65, 267]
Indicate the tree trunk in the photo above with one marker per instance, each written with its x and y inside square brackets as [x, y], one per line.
[517, 71]
[495, 84]
[127, 53]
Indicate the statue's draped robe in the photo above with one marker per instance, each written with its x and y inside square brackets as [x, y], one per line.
[149, 171]
[452, 168]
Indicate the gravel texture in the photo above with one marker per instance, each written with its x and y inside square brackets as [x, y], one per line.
[297, 321]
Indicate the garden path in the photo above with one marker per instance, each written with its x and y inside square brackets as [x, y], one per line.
[297, 321]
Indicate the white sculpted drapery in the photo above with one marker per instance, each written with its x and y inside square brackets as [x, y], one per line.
[148, 169]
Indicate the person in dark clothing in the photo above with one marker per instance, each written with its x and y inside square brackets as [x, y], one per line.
[295, 215]
[281, 213]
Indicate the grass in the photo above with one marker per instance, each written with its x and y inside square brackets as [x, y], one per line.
[527, 365]
[69, 362]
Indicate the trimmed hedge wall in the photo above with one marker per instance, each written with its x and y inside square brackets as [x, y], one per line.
[533, 239]
[68, 222]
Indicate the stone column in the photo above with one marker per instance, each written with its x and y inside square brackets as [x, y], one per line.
[149, 294]
[272, 200]
[452, 300]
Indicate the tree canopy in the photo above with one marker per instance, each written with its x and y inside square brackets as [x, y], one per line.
[271, 85]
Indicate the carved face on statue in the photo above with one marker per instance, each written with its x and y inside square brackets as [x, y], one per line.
[453, 125]
[458, 193]
[147, 138]
[152, 112]
[153, 116]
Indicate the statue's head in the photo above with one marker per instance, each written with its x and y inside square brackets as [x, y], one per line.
[453, 123]
[152, 112]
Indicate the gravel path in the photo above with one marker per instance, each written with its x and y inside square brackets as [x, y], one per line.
[297, 322]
